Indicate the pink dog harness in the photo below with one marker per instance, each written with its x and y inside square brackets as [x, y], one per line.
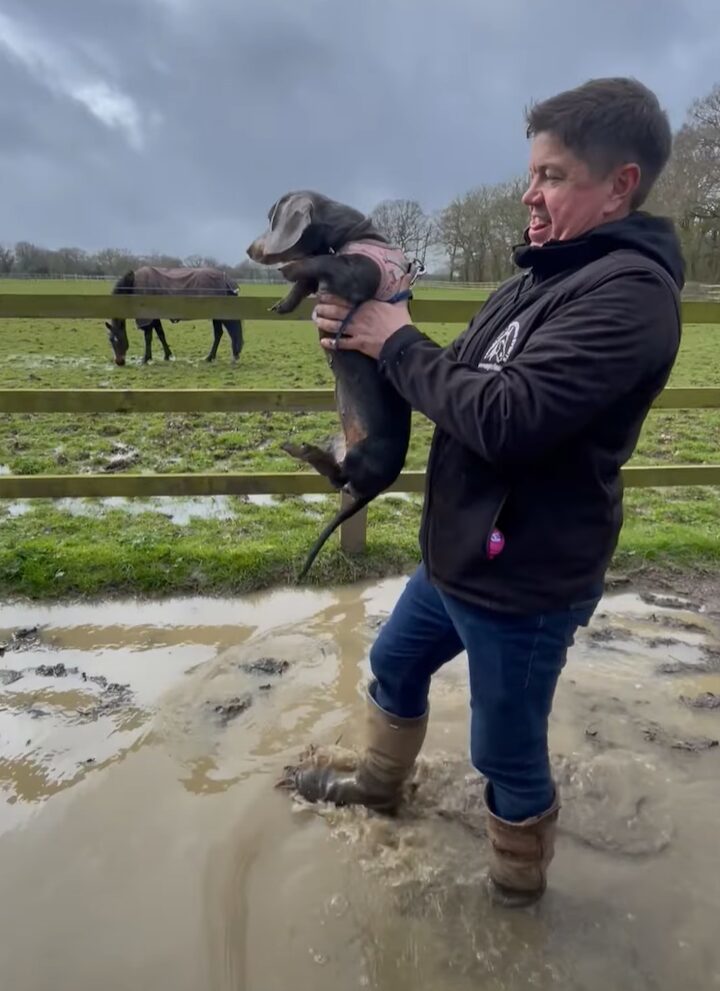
[392, 263]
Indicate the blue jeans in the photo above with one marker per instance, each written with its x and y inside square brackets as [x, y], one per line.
[515, 662]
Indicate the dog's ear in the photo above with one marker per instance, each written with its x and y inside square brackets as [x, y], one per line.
[290, 219]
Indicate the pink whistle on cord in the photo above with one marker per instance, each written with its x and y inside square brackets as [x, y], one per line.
[495, 544]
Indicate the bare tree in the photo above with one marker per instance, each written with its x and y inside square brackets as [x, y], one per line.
[704, 126]
[202, 261]
[68, 261]
[159, 260]
[114, 261]
[7, 260]
[689, 188]
[31, 259]
[405, 224]
[508, 220]
[478, 231]
[450, 233]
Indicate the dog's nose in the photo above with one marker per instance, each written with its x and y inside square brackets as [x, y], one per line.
[253, 251]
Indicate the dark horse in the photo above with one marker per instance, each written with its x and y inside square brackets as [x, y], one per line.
[149, 281]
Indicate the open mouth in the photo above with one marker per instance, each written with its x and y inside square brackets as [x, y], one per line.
[539, 223]
[540, 229]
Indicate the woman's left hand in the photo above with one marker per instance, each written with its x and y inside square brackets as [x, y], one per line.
[371, 324]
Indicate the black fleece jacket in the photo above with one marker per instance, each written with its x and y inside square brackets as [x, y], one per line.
[537, 405]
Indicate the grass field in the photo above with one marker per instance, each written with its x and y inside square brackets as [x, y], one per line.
[226, 545]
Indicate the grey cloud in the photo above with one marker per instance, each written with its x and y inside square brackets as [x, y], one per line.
[238, 102]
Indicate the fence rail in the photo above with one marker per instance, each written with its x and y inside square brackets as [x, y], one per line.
[692, 290]
[278, 483]
[239, 400]
[245, 306]
[251, 306]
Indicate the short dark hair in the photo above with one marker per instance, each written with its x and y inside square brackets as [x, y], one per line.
[606, 123]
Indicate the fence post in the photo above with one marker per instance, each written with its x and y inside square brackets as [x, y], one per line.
[353, 533]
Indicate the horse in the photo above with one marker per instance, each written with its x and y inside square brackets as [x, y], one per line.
[149, 280]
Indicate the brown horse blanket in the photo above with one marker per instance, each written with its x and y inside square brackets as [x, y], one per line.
[182, 281]
[149, 280]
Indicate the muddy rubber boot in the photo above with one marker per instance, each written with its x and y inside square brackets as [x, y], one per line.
[392, 745]
[520, 855]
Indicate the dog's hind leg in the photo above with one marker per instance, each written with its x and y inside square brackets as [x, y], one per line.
[324, 462]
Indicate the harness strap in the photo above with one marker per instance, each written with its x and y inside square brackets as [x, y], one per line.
[399, 297]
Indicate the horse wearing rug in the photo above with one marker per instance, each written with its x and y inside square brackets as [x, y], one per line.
[148, 281]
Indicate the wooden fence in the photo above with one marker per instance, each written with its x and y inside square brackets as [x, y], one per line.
[691, 291]
[256, 307]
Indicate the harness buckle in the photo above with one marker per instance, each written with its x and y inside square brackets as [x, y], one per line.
[418, 270]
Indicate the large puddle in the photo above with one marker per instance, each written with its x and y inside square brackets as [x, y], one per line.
[144, 846]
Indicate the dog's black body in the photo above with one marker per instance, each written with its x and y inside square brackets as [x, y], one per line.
[306, 231]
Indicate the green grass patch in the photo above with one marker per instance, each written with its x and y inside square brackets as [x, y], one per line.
[49, 551]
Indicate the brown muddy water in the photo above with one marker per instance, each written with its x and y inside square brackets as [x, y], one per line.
[144, 846]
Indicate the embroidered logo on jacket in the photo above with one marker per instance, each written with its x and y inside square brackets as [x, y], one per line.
[502, 347]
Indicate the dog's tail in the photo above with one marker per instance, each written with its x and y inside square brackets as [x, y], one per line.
[341, 517]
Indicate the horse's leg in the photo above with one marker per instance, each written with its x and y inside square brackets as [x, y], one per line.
[147, 331]
[235, 333]
[161, 337]
[217, 336]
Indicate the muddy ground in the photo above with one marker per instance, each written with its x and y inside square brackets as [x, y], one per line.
[145, 846]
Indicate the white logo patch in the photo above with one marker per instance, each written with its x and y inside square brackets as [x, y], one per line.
[502, 347]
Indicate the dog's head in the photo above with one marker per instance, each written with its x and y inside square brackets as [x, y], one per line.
[304, 223]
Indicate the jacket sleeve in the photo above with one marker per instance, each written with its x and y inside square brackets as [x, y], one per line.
[452, 350]
[591, 352]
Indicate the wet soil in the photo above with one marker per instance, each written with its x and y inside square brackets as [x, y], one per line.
[144, 844]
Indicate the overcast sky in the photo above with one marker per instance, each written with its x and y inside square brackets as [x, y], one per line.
[172, 125]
